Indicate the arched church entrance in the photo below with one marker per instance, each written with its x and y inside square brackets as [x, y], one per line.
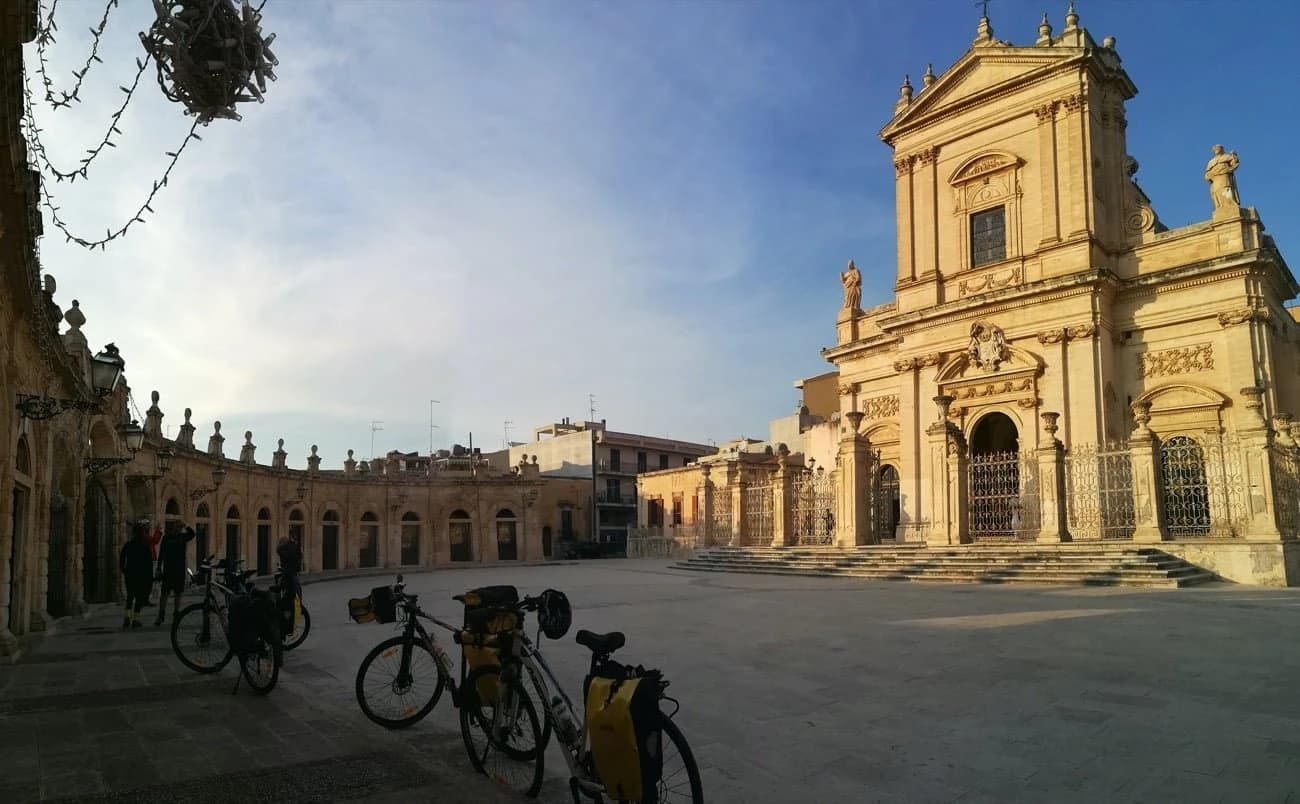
[1185, 488]
[889, 506]
[996, 498]
[99, 563]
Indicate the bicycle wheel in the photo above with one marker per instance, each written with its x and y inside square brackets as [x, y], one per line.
[261, 666]
[538, 689]
[299, 634]
[199, 639]
[388, 697]
[680, 778]
[516, 756]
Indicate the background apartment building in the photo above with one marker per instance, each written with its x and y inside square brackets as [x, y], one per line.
[611, 460]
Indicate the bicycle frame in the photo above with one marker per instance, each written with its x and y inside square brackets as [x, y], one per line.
[414, 629]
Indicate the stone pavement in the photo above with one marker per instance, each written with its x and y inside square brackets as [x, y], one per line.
[97, 714]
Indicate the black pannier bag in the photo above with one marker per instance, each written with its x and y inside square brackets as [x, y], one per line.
[625, 727]
[384, 602]
[253, 615]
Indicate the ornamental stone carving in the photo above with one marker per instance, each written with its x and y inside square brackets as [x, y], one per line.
[1051, 336]
[980, 391]
[847, 388]
[1244, 315]
[1184, 360]
[902, 166]
[906, 364]
[1081, 331]
[988, 346]
[880, 407]
[994, 280]
[930, 360]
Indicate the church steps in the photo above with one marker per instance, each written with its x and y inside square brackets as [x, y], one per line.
[1084, 564]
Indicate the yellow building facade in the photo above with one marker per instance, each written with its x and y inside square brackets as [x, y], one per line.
[1058, 365]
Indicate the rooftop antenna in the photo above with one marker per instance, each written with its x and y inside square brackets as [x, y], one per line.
[507, 424]
[591, 407]
[375, 426]
[432, 426]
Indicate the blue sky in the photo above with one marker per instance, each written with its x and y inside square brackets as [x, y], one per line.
[506, 206]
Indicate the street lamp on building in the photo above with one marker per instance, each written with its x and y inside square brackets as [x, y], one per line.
[134, 437]
[302, 495]
[105, 373]
[164, 460]
[218, 475]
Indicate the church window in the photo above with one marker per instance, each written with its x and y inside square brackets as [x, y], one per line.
[988, 236]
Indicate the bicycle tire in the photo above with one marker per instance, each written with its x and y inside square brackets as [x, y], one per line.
[547, 721]
[674, 735]
[201, 609]
[413, 717]
[276, 650]
[299, 635]
[471, 723]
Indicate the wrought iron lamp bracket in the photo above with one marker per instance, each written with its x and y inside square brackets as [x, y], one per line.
[96, 465]
[37, 408]
[199, 494]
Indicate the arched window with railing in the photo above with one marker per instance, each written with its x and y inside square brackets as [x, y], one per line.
[507, 535]
[232, 536]
[264, 541]
[410, 538]
[329, 540]
[369, 540]
[460, 536]
[202, 531]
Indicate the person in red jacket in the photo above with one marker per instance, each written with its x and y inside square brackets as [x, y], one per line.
[153, 539]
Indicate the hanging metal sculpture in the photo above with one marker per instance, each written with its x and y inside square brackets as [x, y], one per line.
[210, 55]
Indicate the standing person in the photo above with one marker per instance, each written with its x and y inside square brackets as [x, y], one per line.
[154, 538]
[290, 555]
[136, 563]
[171, 569]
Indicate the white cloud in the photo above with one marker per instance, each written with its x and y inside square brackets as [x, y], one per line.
[495, 207]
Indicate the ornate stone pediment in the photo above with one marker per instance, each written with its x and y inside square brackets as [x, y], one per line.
[984, 165]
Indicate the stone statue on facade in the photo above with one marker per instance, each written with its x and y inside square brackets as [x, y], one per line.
[852, 281]
[988, 346]
[1220, 172]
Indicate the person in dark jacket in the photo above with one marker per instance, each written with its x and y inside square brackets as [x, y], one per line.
[136, 563]
[290, 555]
[171, 568]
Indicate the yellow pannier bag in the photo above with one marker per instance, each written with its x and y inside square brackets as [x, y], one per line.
[478, 642]
[624, 727]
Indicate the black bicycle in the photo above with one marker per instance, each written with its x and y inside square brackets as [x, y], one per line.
[201, 633]
[295, 620]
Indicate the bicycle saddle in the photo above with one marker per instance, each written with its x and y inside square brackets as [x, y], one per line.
[601, 643]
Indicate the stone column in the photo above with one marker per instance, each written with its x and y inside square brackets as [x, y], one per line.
[1148, 503]
[1258, 446]
[783, 500]
[853, 488]
[1051, 484]
[706, 506]
[949, 466]
[737, 500]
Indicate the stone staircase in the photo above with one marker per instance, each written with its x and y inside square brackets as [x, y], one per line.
[1087, 564]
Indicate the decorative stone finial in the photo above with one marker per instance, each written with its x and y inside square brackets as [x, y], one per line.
[279, 457]
[984, 33]
[1108, 43]
[216, 427]
[944, 402]
[905, 91]
[1044, 31]
[313, 461]
[248, 436]
[246, 452]
[1142, 416]
[280, 443]
[216, 440]
[1254, 402]
[154, 396]
[1282, 428]
[313, 450]
[929, 77]
[349, 455]
[188, 414]
[75, 318]
[153, 417]
[1071, 17]
[1049, 424]
[534, 460]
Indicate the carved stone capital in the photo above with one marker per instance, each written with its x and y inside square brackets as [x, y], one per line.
[906, 364]
[846, 388]
[1081, 331]
[1072, 103]
[902, 166]
[927, 156]
[930, 360]
[1028, 403]
[1047, 111]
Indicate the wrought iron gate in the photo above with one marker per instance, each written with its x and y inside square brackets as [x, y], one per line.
[812, 497]
[1002, 496]
[1099, 492]
[888, 509]
[719, 524]
[1203, 487]
[756, 507]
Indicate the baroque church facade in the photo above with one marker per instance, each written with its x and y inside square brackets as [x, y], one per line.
[1058, 365]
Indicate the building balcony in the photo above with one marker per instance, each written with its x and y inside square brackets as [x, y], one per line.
[620, 468]
[615, 498]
